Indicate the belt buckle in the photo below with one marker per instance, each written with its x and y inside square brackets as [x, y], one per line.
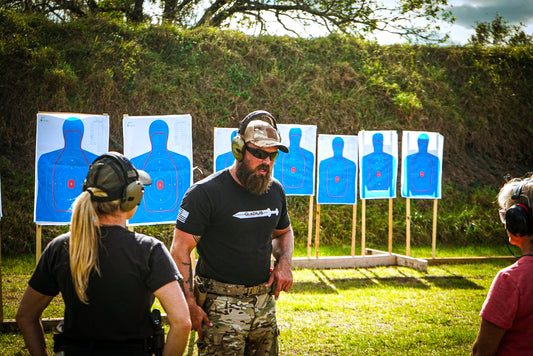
[252, 291]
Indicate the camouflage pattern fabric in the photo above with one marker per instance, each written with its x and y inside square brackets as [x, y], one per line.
[241, 326]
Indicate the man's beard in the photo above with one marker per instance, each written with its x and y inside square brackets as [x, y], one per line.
[257, 184]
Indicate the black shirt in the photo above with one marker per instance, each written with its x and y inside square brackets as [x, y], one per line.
[132, 267]
[235, 226]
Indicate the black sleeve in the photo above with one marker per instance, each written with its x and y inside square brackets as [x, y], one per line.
[162, 270]
[194, 213]
[43, 279]
[284, 220]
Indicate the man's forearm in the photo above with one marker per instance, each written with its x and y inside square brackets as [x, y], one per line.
[185, 267]
[283, 247]
[181, 248]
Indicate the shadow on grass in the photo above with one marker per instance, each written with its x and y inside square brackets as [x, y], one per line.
[324, 284]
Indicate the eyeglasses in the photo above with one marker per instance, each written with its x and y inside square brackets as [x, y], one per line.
[261, 154]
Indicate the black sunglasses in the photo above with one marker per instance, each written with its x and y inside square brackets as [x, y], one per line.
[261, 154]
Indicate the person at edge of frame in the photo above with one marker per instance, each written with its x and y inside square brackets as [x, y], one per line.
[507, 313]
[107, 275]
[237, 219]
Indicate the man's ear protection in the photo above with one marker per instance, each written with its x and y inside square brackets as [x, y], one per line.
[237, 144]
[518, 218]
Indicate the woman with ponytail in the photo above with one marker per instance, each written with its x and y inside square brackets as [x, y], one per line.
[107, 275]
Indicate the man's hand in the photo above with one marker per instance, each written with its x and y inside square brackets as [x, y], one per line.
[198, 318]
[281, 277]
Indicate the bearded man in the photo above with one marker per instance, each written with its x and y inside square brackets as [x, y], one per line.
[237, 219]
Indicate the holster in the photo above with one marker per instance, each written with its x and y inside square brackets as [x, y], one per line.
[157, 340]
[59, 339]
[58, 342]
[200, 291]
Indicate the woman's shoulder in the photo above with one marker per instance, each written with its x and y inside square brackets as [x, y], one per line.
[59, 241]
[518, 271]
[147, 239]
[119, 234]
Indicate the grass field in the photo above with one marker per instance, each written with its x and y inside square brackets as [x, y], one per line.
[364, 311]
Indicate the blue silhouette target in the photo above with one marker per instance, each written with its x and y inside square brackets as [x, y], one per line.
[422, 165]
[378, 164]
[222, 153]
[67, 144]
[153, 144]
[337, 171]
[296, 169]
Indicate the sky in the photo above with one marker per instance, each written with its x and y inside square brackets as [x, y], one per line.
[467, 13]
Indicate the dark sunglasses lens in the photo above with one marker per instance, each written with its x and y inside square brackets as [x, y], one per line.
[262, 154]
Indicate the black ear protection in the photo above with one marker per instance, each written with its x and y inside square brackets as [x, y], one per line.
[132, 188]
[518, 218]
[237, 144]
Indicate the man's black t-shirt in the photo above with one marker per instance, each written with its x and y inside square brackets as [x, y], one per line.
[132, 267]
[235, 226]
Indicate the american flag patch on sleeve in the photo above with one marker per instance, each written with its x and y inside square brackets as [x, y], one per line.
[182, 215]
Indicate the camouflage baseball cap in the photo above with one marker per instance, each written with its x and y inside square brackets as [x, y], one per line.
[262, 134]
[112, 172]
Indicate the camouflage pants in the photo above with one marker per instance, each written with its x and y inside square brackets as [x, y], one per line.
[244, 326]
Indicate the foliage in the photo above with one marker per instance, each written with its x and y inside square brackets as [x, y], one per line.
[500, 33]
[477, 98]
[356, 17]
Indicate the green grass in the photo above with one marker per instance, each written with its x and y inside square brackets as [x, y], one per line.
[384, 310]
[363, 311]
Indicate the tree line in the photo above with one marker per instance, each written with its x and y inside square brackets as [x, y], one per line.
[354, 17]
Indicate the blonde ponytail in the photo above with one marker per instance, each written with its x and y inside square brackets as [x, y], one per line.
[85, 239]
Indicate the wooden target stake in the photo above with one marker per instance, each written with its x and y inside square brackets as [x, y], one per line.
[354, 228]
[407, 226]
[363, 226]
[317, 230]
[434, 234]
[310, 227]
[38, 245]
[390, 225]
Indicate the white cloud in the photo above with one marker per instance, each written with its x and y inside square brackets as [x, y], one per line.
[514, 11]
[468, 12]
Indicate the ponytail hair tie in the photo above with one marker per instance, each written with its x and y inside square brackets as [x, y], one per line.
[90, 191]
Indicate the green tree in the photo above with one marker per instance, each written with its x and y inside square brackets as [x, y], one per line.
[355, 17]
[66, 10]
[500, 33]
